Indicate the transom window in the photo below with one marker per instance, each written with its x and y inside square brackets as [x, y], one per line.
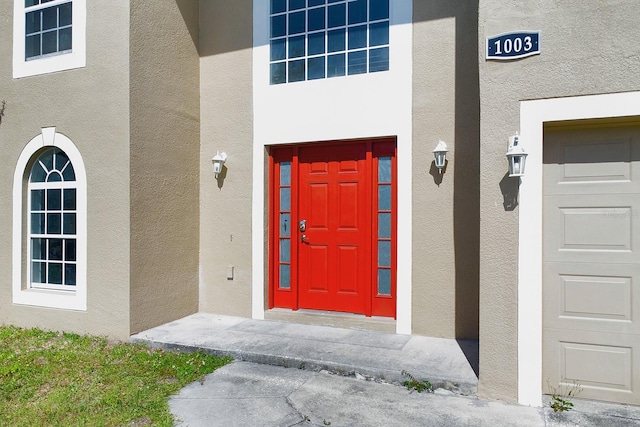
[316, 39]
[48, 25]
[52, 222]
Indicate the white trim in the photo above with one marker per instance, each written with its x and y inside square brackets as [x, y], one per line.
[533, 115]
[337, 108]
[38, 297]
[77, 58]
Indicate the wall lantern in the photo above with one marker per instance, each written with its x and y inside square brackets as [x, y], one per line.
[440, 154]
[516, 156]
[217, 161]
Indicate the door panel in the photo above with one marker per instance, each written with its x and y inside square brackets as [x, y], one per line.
[591, 258]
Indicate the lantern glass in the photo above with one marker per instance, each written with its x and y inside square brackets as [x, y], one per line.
[440, 157]
[517, 163]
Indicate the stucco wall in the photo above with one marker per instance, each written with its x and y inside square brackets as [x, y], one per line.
[445, 206]
[89, 106]
[226, 40]
[586, 49]
[165, 137]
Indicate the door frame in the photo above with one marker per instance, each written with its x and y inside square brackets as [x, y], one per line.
[533, 115]
[375, 305]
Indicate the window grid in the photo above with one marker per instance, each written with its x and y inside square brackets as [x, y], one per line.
[52, 222]
[384, 225]
[48, 28]
[284, 240]
[319, 39]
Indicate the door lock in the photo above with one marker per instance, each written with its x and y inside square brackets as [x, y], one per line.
[303, 225]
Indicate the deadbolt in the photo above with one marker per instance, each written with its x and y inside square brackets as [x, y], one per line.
[303, 225]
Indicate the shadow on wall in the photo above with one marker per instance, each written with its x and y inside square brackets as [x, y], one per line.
[510, 188]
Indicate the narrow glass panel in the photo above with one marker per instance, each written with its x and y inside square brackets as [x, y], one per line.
[285, 173]
[315, 2]
[64, 39]
[32, 46]
[384, 281]
[65, 14]
[285, 199]
[384, 253]
[278, 26]
[278, 73]
[49, 42]
[37, 223]
[68, 173]
[39, 272]
[69, 202]
[278, 49]
[61, 160]
[55, 249]
[54, 199]
[335, 65]
[285, 224]
[70, 274]
[28, 3]
[69, 225]
[278, 6]
[358, 37]
[316, 19]
[357, 11]
[54, 225]
[297, 23]
[296, 4]
[37, 200]
[54, 176]
[316, 68]
[384, 225]
[384, 169]
[285, 250]
[47, 159]
[379, 59]
[335, 1]
[32, 23]
[315, 43]
[49, 18]
[384, 197]
[358, 62]
[336, 40]
[39, 249]
[285, 276]
[379, 33]
[37, 173]
[55, 274]
[296, 46]
[70, 249]
[337, 15]
[378, 9]
[296, 70]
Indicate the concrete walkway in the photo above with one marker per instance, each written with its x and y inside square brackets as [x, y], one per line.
[345, 377]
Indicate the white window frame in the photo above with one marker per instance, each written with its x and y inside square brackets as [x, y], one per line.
[23, 293]
[76, 58]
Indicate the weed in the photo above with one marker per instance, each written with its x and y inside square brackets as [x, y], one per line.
[414, 384]
[562, 396]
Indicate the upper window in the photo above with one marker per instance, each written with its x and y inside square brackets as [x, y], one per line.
[316, 39]
[50, 224]
[48, 36]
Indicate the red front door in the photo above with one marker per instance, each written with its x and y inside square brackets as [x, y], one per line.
[332, 233]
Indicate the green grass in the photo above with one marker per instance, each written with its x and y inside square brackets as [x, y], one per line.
[60, 379]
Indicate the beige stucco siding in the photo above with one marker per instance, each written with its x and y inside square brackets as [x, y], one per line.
[585, 50]
[445, 206]
[165, 134]
[90, 106]
[226, 40]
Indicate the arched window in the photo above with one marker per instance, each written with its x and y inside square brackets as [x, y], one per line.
[49, 244]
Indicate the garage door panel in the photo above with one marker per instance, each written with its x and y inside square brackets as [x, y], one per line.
[592, 228]
[591, 271]
[596, 297]
[602, 365]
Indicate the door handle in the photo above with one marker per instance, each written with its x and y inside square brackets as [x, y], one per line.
[303, 225]
[303, 238]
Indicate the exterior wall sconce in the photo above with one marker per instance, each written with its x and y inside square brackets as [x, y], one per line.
[217, 161]
[440, 154]
[516, 156]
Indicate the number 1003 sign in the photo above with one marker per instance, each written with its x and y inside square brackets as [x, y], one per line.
[513, 45]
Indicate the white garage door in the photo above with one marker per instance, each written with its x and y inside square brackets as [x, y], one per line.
[592, 261]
